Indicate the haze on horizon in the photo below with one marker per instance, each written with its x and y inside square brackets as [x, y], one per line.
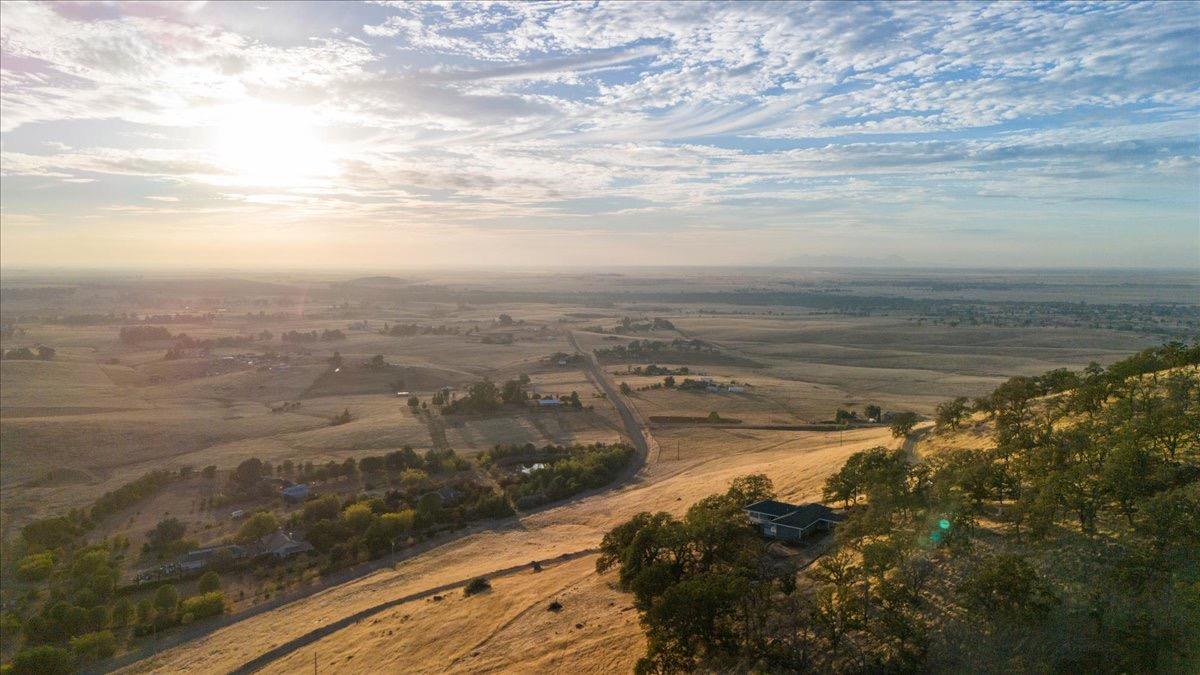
[286, 135]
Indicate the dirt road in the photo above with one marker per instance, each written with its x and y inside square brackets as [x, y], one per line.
[312, 636]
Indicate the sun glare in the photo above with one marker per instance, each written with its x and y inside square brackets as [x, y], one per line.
[272, 145]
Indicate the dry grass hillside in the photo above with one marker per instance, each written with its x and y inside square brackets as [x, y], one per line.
[509, 625]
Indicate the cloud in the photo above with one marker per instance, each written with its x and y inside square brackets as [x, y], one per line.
[605, 116]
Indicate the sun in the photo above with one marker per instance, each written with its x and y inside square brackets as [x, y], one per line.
[271, 145]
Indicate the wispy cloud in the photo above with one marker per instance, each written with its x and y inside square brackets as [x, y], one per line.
[780, 118]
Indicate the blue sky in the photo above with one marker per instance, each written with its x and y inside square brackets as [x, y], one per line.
[408, 135]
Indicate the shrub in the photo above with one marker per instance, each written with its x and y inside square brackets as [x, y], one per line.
[1008, 585]
[165, 598]
[324, 508]
[50, 532]
[91, 647]
[209, 582]
[357, 517]
[43, 660]
[202, 606]
[165, 533]
[477, 585]
[122, 613]
[131, 493]
[36, 566]
[258, 526]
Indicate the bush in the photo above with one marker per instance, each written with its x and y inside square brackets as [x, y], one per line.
[36, 566]
[357, 517]
[202, 606]
[325, 508]
[260, 525]
[165, 598]
[477, 585]
[1008, 585]
[94, 646]
[165, 533]
[131, 493]
[122, 613]
[209, 582]
[50, 532]
[43, 660]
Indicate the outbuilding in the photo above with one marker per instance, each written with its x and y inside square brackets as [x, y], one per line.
[295, 493]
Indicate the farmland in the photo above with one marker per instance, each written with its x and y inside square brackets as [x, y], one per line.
[322, 379]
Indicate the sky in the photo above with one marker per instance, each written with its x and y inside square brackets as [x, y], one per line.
[405, 135]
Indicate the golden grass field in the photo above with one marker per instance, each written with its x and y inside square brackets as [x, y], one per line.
[509, 628]
[102, 413]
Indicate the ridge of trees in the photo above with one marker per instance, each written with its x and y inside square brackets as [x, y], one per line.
[1082, 519]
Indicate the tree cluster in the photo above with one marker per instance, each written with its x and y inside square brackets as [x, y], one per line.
[38, 353]
[1090, 493]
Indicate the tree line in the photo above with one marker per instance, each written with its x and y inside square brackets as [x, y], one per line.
[1070, 543]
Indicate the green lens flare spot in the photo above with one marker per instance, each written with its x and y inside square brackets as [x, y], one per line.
[944, 524]
[935, 537]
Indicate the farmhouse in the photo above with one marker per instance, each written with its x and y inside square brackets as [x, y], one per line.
[790, 522]
[203, 557]
[280, 544]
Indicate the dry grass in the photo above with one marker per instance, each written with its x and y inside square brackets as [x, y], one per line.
[797, 462]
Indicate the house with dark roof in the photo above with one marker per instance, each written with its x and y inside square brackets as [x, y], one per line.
[767, 510]
[203, 557]
[281, 544]
[791, 522]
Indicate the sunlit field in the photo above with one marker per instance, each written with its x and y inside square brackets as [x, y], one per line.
[599, 337]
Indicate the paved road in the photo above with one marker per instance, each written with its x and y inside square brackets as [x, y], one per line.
[635, 427]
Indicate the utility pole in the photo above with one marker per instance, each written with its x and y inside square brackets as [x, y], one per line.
[314, 662]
